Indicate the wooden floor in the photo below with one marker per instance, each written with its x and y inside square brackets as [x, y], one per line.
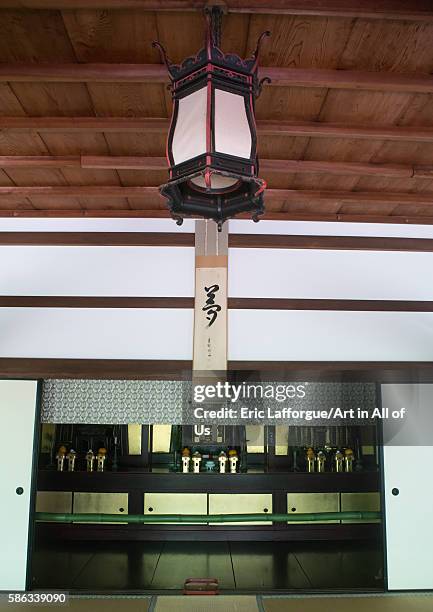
[256, 567]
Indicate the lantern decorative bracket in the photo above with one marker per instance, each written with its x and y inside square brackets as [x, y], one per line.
[163, 53]
[256, 53]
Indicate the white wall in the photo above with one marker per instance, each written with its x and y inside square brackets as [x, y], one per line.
[258, 335]
[97, 271]
[409, 533]
[237, 226]
[169, 272]
[95, 333]
[362, 275]
[17, 415]
[297, 335]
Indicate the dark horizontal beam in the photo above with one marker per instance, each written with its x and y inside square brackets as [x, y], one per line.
[162, 213]
[52, 480]
[157, 73]
[265, 127]
[178, 239]
[248, 241]
[85, 124]
[124, 369]
[334, 243]
[296, 196]
[233, 303]
[307, 196]
[127, 369]
[86, 191]
[279, 166]
[381, 9]
[329, 304]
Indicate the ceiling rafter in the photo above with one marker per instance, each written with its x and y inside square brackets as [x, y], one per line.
[163, 213]
[265, 127]
[157, 73]
[297, 196]
[279, 166]
[386, 9]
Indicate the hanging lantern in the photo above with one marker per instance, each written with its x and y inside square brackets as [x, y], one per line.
[212, 142]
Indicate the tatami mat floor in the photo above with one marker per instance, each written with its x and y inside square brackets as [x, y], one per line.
[416, 602]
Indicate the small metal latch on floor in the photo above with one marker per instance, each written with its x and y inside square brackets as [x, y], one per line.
[201, 586]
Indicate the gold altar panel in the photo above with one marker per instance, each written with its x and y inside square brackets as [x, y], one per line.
[161, 438]
[134, 438]
[237, 503]
[368, 502]
[54, 501]
[255, 435]
[48, 433]
[175, 503]
[103, 503]
[312, 502]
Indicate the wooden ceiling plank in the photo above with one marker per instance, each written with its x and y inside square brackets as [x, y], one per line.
[45, 99]
[34, 36]
[128, 99]
[100, 35]
[299, 42]
[373, 46]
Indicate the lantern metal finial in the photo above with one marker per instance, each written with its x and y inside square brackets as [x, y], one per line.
[212, 142]
[213, 13]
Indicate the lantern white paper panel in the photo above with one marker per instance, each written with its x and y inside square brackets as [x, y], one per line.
[232, 130]
[189, 139]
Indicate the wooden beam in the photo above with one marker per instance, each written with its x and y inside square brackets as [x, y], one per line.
[333, 243]
[244, 241]
[147, 125]
[319, 129]
[157, 73]
[280, 166]
[310, 129]
[101, 162]
[123, 369]
[177, 239]
[90, 73]
[349, 79]
[383, 9]
[87, 191]
[341, 305]
[297, 196]
[74, 301]
[39, 161]
[127, 369]
[163, 213]
[283, 166]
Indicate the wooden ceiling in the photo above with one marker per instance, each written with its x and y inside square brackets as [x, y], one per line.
[345, 128]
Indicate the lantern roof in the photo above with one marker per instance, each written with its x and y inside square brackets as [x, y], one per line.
[211, 53]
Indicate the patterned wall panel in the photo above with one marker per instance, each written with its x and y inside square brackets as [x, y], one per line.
[153, 401]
